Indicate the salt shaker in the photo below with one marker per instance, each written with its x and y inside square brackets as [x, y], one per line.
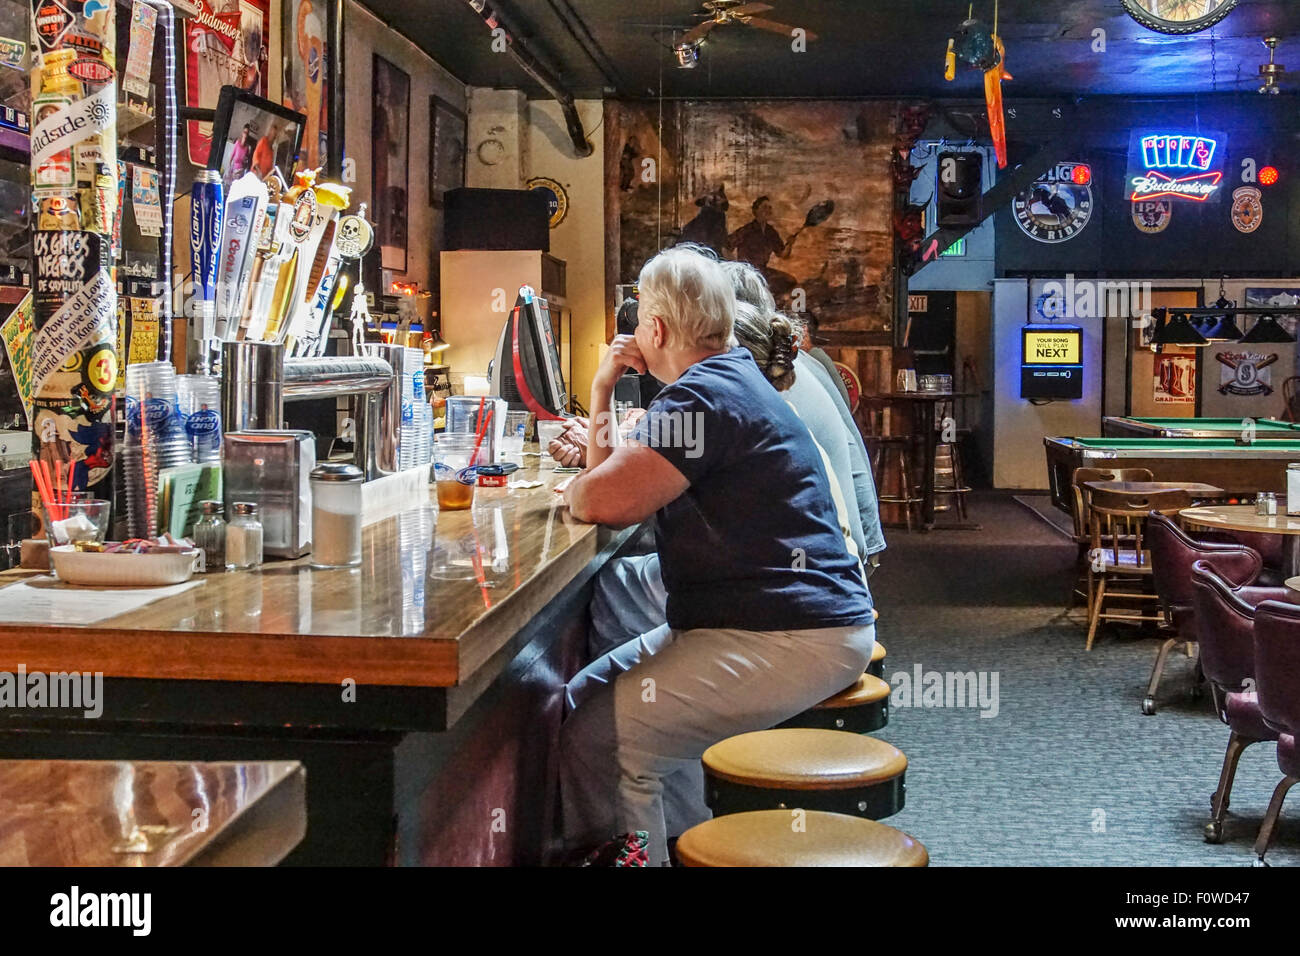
[210, 535]
[244, 538]
[336, 516]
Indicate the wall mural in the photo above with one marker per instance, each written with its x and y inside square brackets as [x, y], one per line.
[795, 188]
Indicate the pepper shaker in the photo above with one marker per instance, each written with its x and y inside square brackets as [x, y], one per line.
[210, 535]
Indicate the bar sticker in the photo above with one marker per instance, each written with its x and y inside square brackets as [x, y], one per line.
[139, 57]
[63, 262]
[51, 20]
[65, 127]
[85, 319]
[17, 332]
[145, 201]
[12, 53]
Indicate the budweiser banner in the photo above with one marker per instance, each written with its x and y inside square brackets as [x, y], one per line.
[222, 49]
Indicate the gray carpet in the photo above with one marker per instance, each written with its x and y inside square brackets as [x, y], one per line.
[1069, 772]
[1042, 508]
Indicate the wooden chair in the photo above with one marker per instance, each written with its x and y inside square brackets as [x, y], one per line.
[1079, 512]
[1291, 395]
[1116, 556]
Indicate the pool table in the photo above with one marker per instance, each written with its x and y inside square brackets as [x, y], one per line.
[1266, 429]
[1241, 470]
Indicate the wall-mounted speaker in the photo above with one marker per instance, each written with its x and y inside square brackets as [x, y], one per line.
[495, 219]
[959, 188]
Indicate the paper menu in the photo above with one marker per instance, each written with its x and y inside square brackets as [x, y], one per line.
[43, 600]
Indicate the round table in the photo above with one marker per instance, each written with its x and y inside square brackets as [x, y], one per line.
[1243, 518]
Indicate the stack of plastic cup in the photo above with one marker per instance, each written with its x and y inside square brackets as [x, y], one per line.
[155, 439]
[200, 407]
[407, 450]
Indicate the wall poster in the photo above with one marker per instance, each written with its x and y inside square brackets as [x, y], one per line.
[1175, 379]
[390, 117]
[308, 61]
[225, 45]
[446, 149]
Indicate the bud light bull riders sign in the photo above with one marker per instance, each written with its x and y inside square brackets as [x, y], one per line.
[1175, 165]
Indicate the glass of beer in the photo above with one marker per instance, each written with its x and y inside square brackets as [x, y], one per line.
[453, 476]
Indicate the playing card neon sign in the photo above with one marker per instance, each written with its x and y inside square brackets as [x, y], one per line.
[1174, 165]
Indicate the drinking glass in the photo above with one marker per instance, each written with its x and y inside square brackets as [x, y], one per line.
[546, 432]
[452, 454]
[80, 521]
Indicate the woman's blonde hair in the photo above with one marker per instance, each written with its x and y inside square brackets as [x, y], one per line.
[770, 336]
[693, 296]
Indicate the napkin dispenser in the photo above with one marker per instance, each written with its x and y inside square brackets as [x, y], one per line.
[273, 469]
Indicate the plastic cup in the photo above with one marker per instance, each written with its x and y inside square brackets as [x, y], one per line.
[546, 433]
[512, 440]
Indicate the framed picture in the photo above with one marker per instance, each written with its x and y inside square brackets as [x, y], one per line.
[309, 63]
[252, 134]
[390, 126]
[446, 149]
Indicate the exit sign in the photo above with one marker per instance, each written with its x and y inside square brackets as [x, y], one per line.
[918, 303]
[958, 248]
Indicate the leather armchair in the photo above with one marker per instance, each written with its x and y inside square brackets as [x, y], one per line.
[1277, 683]
[1225, 627]
[1173, 552]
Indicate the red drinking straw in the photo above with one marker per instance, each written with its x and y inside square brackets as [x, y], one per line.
[483, 421]
[43, 487]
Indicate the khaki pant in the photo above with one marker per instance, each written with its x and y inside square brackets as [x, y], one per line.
[645, 713]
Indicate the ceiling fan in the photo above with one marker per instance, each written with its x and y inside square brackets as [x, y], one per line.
[723, 12]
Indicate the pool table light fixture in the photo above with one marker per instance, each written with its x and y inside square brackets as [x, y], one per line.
[1179, 331]
[1221, 328]
[1267, 331]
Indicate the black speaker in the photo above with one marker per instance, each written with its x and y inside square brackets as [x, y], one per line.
[496, 219]
[959, 188]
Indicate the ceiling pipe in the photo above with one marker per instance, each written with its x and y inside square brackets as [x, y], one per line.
[528, 61]
[581, 34]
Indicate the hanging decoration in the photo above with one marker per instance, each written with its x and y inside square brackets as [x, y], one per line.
[978, 46]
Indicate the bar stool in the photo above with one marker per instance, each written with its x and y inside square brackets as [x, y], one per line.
[949, 482]
[860, 708]
[775, 838]
[877, 666]
[810, 769]
[895, 451]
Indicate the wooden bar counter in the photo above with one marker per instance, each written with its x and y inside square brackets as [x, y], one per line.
[421, 691]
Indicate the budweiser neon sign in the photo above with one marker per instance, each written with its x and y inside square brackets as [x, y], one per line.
[1175, 165]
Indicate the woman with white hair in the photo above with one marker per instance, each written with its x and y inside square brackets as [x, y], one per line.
[767, 611]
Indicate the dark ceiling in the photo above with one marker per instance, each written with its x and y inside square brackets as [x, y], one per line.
[864, 48]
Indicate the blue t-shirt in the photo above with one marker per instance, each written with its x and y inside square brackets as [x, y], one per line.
[754, 542]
